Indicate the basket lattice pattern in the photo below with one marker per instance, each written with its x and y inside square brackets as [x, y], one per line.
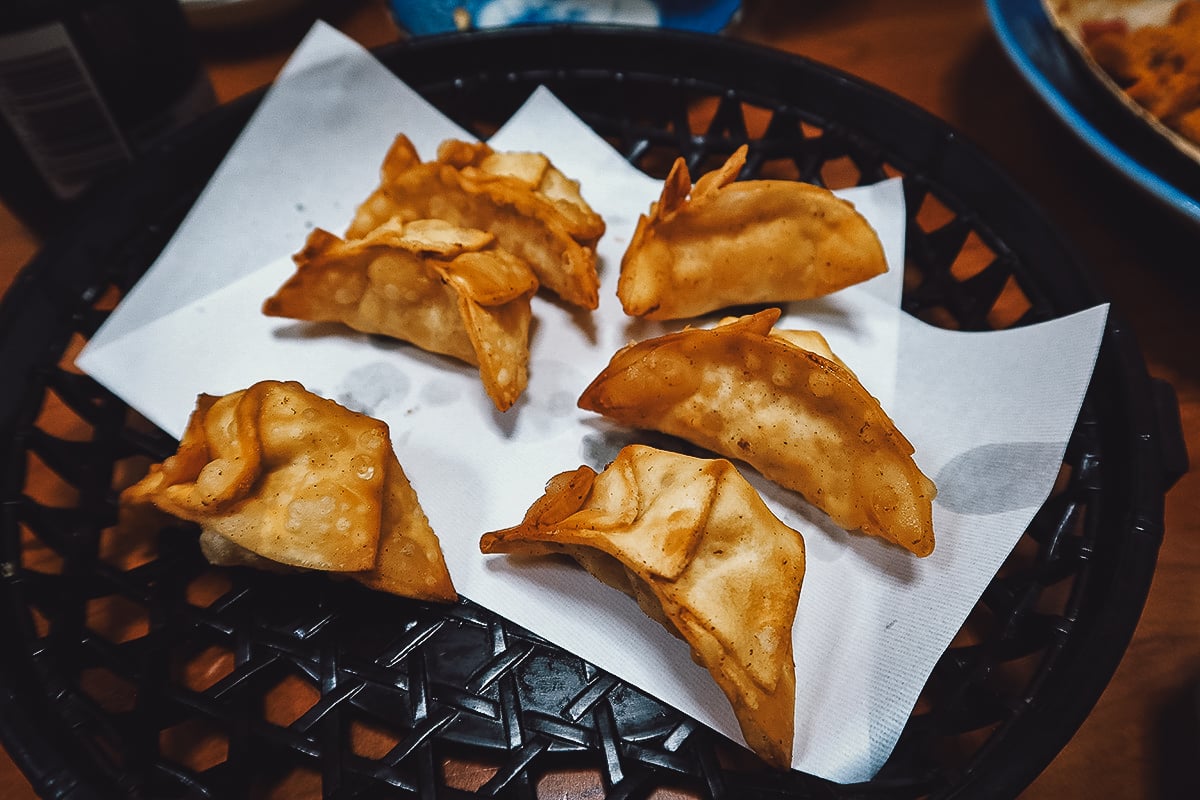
[159, 676]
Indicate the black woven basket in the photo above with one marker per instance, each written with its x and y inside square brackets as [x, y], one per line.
[135, 669]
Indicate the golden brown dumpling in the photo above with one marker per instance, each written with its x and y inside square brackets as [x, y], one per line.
[724, 242]
[693, 542]
[446, 289]
[533, 210]
[801, 419]
[277, 474]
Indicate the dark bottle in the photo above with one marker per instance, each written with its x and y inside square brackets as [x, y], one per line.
[86, 86]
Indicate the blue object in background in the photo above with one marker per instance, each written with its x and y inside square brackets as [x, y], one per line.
[1038, 52]
[424, 17]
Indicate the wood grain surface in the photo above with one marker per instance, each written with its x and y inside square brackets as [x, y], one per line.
[1142, 740]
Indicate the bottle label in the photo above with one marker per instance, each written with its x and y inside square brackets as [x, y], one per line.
[51, 103]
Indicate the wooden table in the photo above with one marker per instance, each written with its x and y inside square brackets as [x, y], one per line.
[1143, 738]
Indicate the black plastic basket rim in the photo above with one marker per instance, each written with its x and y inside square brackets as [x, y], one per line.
[914, 140]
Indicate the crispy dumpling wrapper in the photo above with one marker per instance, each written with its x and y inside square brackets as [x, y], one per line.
[446, 289]
[812, 341]
[724, 242]
[801, 419]
[693, 542]
[274, 474]
[534, 211]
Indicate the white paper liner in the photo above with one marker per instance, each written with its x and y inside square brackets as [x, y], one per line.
[988, 413]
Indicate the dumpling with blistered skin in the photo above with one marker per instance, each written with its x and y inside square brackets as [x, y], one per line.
[446, 289]
[275, 474]
[534, 211]
[699, 550]
[725, 242]
[800, 418]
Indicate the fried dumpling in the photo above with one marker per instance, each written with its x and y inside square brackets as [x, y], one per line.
[274, 473]
[724, 242]
[446, 289]
[534, 211]
[801, 419]
[693, 542]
